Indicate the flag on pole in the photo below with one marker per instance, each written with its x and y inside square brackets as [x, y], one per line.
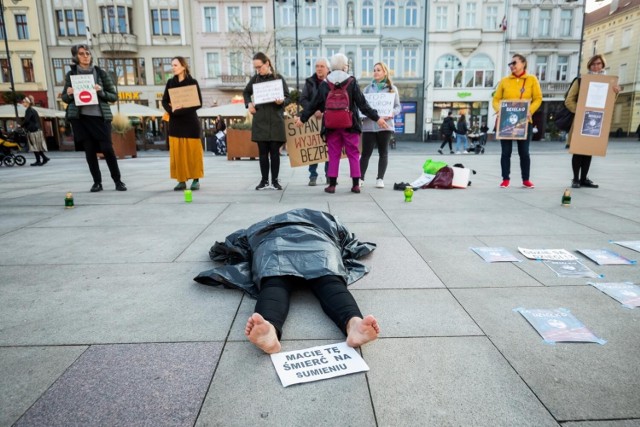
[503, 24]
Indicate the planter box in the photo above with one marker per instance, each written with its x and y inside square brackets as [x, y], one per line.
[124, 144]
[239, 145]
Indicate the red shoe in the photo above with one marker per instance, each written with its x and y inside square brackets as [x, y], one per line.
[505, 183]
[528, 184]
[355, 189]
[330, 189]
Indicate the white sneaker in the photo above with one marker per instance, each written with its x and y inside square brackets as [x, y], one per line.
[361, 183]
[457, 152]
[465, 152]
[379, 183]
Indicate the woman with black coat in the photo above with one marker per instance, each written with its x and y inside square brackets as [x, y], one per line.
[35, 138]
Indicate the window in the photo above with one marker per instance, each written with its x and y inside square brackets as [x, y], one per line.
[70, 22]
[257, 18]
[524, 16]
[448, 72]
[622, 73]
[21, 27]
[333, 14]
[2, 29]
[389, 58]
[235, 64]
[563, 66]
[541, 68]
[288, 58]
[411, 14]
[441, 17]
[116, 19]
[309, 60]
[410, 62]
[213, 65]
[566, 21]
[479, 72]
[234, 19]
[367, 13]
[389, 13]
[310, 14]
[367, 62]
[608, 43]
[4, 64]
[161, 70]
[332, 50]
[626, 38]
[287, 15]
[594, 47]
[544, 23]
[165, 22]
[127, 71]
[210, 15]
[60, 68]
[491, 18]
[27, 70]
[470, 15]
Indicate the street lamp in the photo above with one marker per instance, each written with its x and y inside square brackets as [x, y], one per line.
[6, 47]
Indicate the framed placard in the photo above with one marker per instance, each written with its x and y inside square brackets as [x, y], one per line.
[266, 92]
[592, 123]
[84, 92]
[514, 122]
[185, 96]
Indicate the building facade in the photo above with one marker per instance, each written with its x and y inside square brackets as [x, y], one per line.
[614, 32]
[366, 31]
[24, 38]
[133, 40]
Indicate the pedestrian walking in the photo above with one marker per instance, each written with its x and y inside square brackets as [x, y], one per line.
[447, 130]
[35, 138]
[461, 135]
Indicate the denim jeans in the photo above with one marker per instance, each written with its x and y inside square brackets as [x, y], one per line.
[461, 139]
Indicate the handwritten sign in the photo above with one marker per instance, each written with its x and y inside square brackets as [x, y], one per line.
[548, 254]
[266, 92]
[513, 122]
[305, 146]
[185, 96]
[83, 89]
[381, 102]
[317, 363]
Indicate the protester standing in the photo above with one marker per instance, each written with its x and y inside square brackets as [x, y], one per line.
[309, 91]
[35, 138]
[185, 146]
[447, 129]
[92, 123]
[518, 86]
[461, 134]
[267, 129]
[580, 163]
[339, 138]
[372, 134]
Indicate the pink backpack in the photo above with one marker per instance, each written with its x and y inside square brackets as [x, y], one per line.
[337, 114]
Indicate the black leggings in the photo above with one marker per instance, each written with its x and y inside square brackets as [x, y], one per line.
[335, 299]
[269, 150]
[369, 140]
[580, 165]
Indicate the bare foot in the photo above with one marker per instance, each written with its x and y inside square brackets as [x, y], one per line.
[361, 331]
[262, 334]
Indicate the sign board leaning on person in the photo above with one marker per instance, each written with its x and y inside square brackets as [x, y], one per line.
[266, 92]
[305, 145]
[186, 96]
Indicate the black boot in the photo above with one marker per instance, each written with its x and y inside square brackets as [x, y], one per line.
[45, 159]
[38, 162]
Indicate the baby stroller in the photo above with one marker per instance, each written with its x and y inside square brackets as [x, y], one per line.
[220, 149]
[475, 143]
[9, 146]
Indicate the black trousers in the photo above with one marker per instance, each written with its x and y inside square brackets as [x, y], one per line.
[447, 139]
[269, 150]
[335, 299]
[580, 164]
[95, 134]
[370, 140]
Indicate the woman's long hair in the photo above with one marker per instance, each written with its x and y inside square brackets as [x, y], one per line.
[387, 75]
[260, 56]
[183, 62]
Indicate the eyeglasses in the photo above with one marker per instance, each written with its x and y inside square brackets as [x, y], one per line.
[598, 63]
[512, 64]
[84, 53]
[259, 67]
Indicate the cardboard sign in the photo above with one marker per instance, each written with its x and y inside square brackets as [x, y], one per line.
[381, 102]
[305, 146]
[266, 92]
[317, 363]
[83, 89]
[185, 96]
[513, 122]
[592, 123]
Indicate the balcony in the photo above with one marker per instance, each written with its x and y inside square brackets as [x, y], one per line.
[466, 40]
[116, 42]
[554, 89]
[231, 82]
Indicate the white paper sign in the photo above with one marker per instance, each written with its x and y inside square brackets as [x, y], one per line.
[83, 89]
[597, 95]
[381, 102]
[317, 363]
[266, 92]
[550, 254]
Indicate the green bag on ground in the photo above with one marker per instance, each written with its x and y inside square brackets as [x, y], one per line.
[432, 167]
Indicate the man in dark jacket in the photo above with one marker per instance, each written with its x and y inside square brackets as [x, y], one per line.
[92, 123]
[309, 92]
[447, 129]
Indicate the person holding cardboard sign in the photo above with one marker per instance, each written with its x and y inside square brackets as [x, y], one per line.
[267, 128]
[518, 86]
[580, 163]
[181, 99]
[91, 123]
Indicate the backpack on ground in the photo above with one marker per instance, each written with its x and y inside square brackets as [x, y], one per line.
[337, 114]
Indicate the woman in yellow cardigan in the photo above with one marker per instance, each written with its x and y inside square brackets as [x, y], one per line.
[580, 163]
[518, 86]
